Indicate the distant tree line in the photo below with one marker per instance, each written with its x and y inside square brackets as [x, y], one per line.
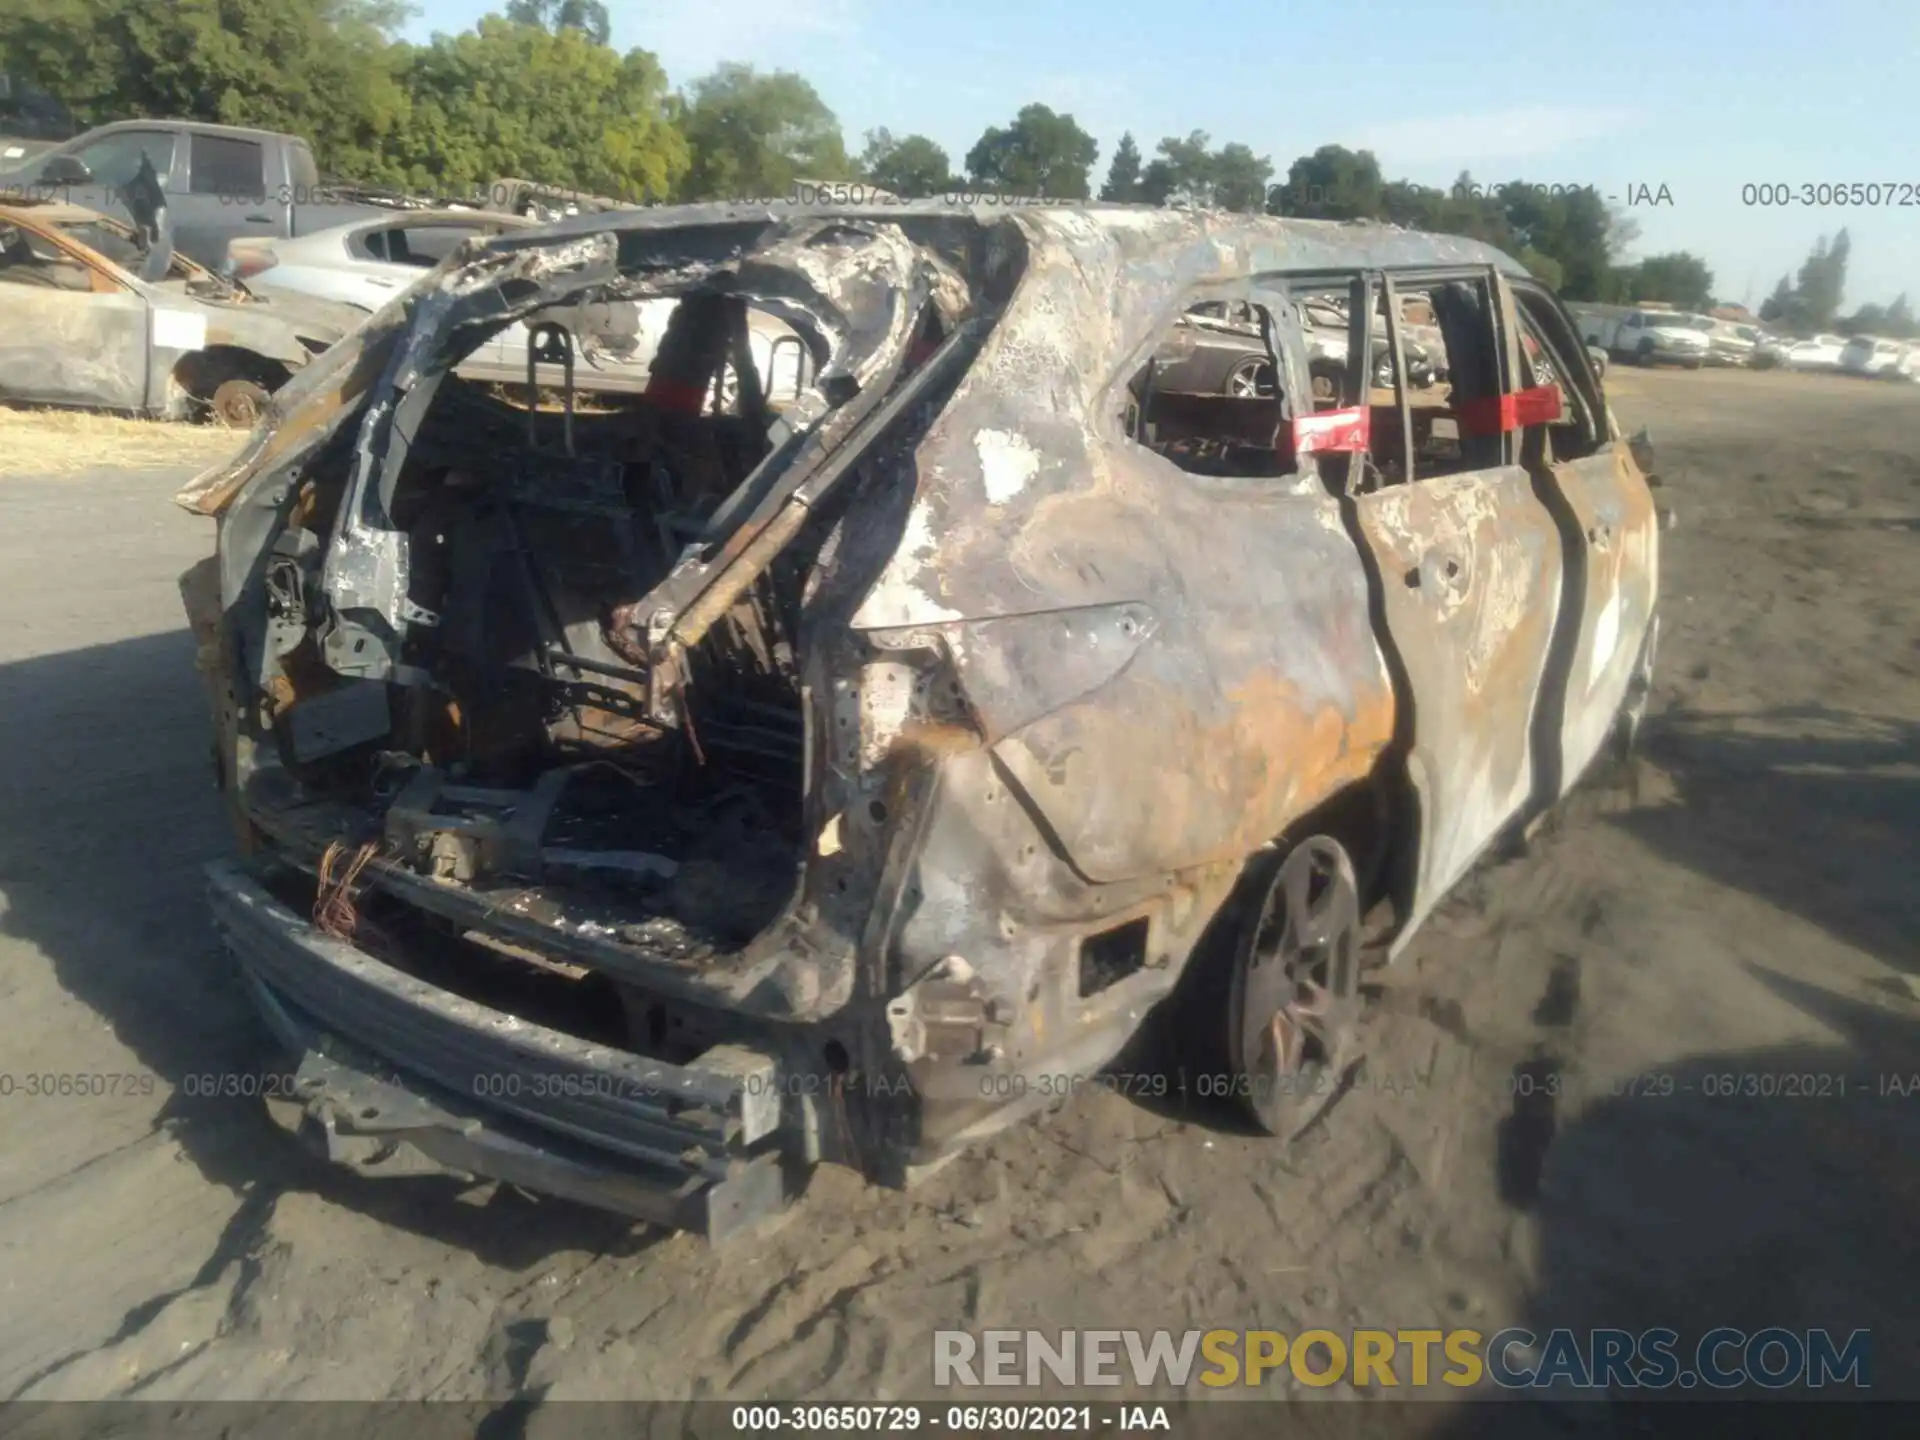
[537, 92]
[1809, 300]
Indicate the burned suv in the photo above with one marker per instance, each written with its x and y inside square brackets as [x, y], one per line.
[646, 797]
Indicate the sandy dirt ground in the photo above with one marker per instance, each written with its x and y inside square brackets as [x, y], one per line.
[1747, 907]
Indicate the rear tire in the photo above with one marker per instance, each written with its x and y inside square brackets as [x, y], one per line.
[1294, 998]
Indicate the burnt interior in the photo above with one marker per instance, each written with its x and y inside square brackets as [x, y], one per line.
[1188, 404]
[537, 683]
[528, 527]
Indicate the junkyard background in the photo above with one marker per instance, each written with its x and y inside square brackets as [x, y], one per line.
[537, 91]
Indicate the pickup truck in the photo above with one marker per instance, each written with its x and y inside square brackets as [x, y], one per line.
[1648, 337]
[221, 181]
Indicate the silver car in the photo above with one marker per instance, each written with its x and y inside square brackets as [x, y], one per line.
[367, 263]
[1873, 355]
[1822, 352]
[370, 262]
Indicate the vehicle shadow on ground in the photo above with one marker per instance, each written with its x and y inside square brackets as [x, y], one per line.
[1846, 786]
[1751, 1189]
[1847, 789]
[108, 811]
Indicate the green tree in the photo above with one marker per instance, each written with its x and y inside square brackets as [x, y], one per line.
[1569, 239]
[539, 98]
[1544, 268]
[589, 17]
[1456, 211]
[755, 134]
[912, 167]
[1183, 168]
[1158, 183]
[1123, 175]
[1574, 227]
[1894, 321]
[1678, 279]
[1622, 231]
[1811, 300]
[1822, 281]
[1837, 258]
[1869, 319]
[1333, 183]
[506, 99]
[1231, 177]
[323, 69]
[877, 144]
[1900, 322]
[1782, 307]
[1041, 153]
[1240, 178]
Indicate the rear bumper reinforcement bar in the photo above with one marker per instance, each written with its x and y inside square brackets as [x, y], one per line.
[397, 1076]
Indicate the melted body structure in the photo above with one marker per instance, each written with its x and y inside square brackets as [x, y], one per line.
[648, 795]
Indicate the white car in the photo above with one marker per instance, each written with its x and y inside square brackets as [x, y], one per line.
[1872, 355]
[367, 263]
[1822, 352]
[1651, 336]
[1727, 343]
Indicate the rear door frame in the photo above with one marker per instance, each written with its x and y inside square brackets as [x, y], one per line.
[1468, 574]
[1609, 622]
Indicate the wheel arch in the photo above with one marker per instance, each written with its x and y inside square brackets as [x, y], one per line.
[200, 372]
[1370, 818]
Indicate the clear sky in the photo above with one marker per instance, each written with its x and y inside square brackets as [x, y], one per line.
[1701, 96]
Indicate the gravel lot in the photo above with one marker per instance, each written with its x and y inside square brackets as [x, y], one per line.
[1748, 906]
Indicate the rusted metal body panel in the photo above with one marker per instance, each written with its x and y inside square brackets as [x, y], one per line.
[1271, 687]
[74, 347]
[119, 344]
[1244, 647]
[1047, 687]
[1615, 514]
[1471, 570]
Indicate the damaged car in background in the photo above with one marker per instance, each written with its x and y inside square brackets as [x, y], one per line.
[367, 263]
[98, 314]
[646, 803]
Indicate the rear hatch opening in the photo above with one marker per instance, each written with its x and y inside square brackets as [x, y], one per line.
[530, 667]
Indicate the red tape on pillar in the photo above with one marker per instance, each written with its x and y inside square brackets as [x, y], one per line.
[1493, 414]
[1332, 430]
[1540, 405]
[670, 394]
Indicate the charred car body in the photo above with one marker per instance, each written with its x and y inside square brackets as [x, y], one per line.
[100, 314]
[643, 804]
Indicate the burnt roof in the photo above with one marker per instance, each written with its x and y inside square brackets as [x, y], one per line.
[1245, 244]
